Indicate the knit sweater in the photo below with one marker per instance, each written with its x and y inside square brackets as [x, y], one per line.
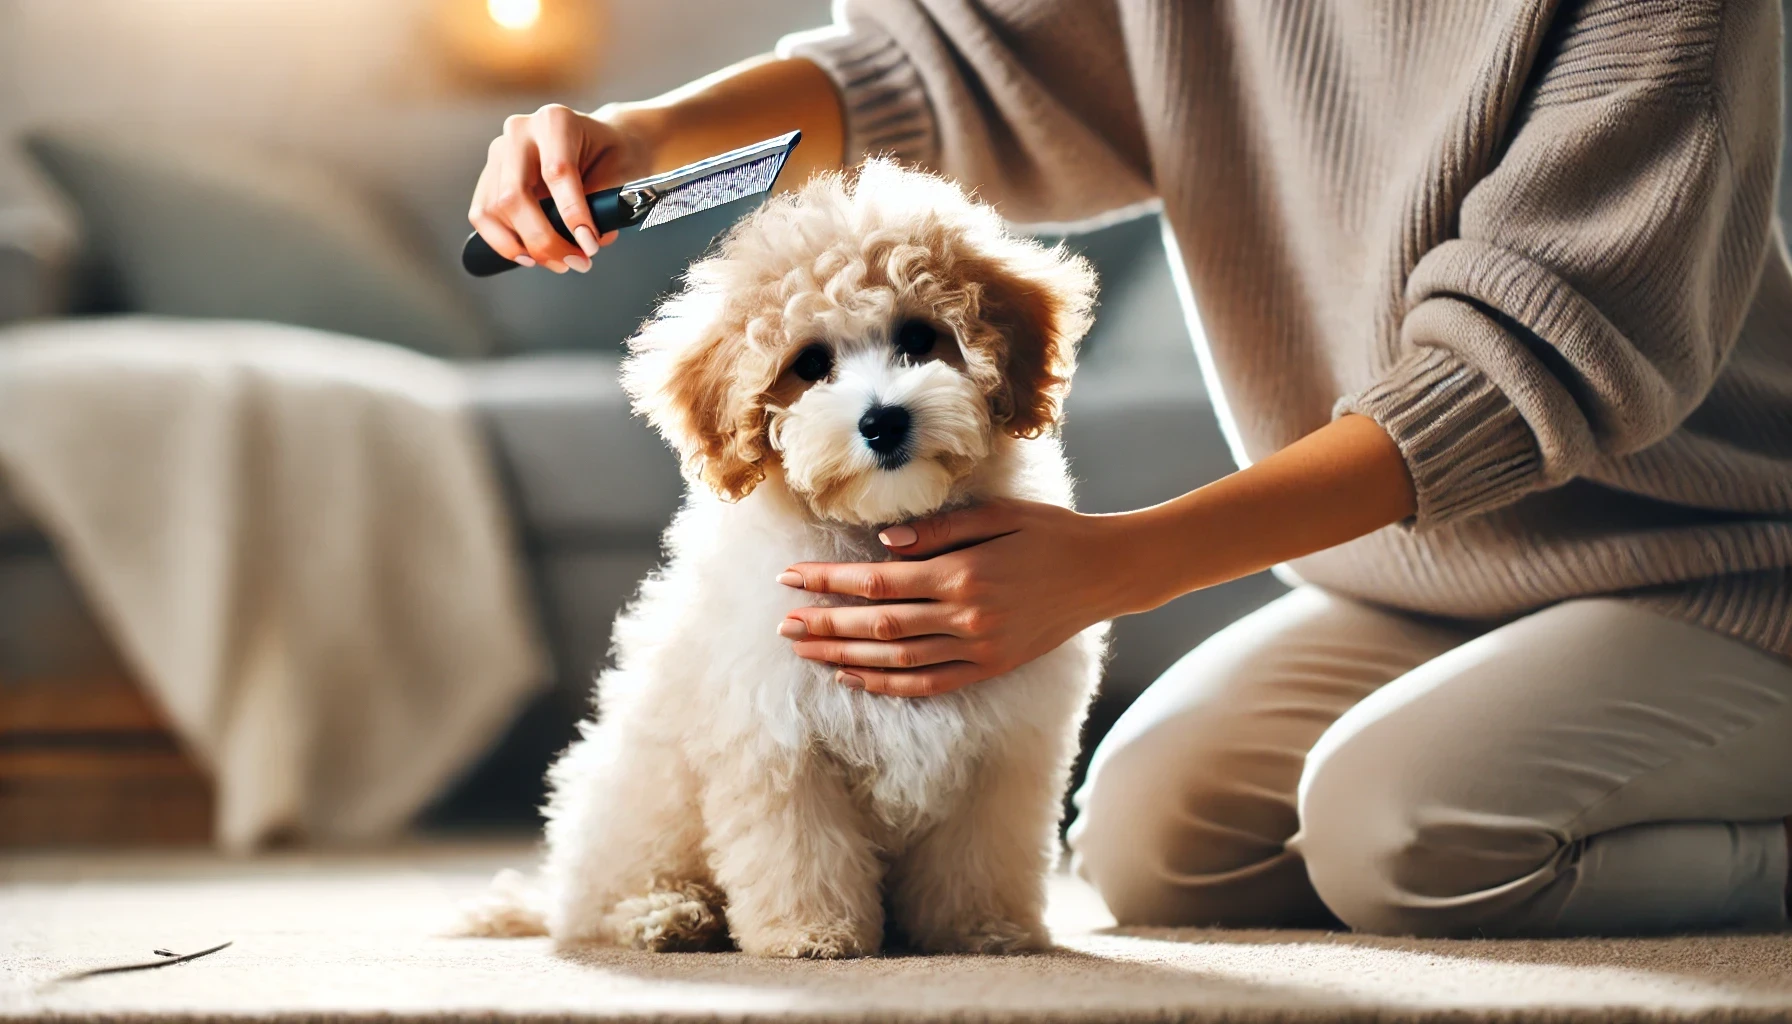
[1534, 240]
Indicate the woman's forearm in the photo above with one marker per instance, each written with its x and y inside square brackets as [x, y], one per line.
[739, 105]
[983, 589]
[1336, 484]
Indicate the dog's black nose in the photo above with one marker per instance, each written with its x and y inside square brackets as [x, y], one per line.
[885, 427]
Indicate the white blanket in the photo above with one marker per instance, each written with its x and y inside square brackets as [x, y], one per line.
[296, 541]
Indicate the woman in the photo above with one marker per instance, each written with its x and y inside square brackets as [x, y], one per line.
[1497, 325]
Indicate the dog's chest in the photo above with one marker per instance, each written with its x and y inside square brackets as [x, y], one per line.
[904, 759]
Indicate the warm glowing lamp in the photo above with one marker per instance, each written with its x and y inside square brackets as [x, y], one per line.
[515, 15]
[522, 44]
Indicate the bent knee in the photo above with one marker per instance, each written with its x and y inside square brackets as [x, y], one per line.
[1193, 839]
[1388, 857]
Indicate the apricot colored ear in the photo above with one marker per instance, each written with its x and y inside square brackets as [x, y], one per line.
[1042, 302]
[684, 374]
[722, 430]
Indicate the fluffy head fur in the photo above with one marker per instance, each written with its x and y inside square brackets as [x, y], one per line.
[846, 263]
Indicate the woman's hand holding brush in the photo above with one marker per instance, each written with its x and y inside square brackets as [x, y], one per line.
[561, 153]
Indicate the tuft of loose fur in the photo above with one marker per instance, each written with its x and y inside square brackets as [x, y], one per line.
[726, 790]
[510, 908]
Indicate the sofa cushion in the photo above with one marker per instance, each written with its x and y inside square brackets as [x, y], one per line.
[203, 228]
[581, 467]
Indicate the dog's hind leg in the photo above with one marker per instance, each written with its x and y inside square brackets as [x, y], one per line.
[790, 849]
[625, 861]
[975, 883]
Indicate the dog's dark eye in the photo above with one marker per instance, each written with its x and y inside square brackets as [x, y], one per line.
[814, 362]
[915, 337]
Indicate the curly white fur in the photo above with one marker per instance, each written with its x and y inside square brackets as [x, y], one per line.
[728, 789]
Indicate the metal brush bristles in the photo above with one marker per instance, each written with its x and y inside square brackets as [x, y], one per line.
[723, 187]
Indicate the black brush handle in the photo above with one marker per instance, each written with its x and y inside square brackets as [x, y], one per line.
[481, 260]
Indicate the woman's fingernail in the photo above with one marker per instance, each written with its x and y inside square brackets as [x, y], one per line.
[791, 579]
[848, 680]
[587, 240]
[523, 261]
[556, 266]
[582, 264]
[899, 536]
[792, 629]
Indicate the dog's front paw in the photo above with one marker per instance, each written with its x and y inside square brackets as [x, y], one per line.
[811, 944]
[992, 936]
[686, 919]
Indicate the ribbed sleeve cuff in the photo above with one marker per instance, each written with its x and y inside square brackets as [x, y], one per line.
[883, 100]
[1466, 445]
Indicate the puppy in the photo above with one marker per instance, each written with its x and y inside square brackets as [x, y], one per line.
[865, 351]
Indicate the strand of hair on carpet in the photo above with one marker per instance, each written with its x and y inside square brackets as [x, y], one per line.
[169, 959]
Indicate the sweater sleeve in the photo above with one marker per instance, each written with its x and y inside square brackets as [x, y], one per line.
[1032, 106]
[1601, 271]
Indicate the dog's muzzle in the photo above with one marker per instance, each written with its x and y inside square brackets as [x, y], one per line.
[885, 429]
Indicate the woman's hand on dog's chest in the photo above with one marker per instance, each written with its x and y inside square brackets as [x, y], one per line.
[981, 591]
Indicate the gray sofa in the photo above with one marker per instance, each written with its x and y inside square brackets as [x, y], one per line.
[592, 487]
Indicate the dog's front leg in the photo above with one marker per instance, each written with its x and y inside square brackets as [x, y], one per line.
[625, 845]
[790, 851]
[975, 883]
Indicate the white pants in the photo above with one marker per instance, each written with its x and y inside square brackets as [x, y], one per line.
[1593, 768]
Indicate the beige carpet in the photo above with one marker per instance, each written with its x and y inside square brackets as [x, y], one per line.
[351, 938]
